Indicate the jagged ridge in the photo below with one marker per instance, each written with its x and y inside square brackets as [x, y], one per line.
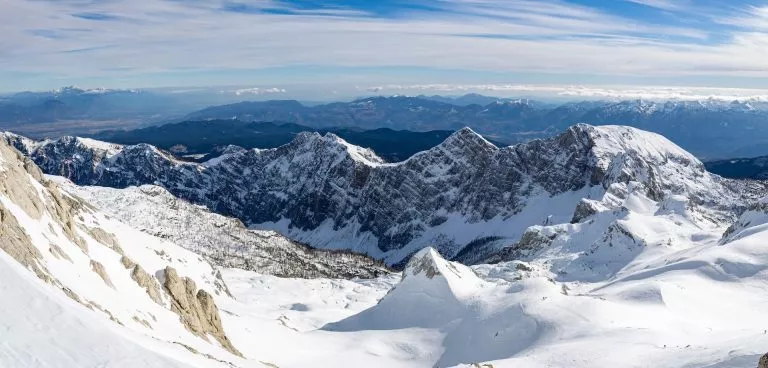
[322, 191]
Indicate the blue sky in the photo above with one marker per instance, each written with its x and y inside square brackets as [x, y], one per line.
[390, 46]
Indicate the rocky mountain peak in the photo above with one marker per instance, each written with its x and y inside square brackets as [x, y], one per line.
[429, 264]
[466, 141]
[323, 191]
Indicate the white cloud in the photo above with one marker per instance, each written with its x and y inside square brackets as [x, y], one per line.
[157, 36]
[663, 4]
[256, 91]
[661, 93]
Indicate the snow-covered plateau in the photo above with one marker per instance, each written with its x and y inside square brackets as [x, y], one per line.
[603, 247]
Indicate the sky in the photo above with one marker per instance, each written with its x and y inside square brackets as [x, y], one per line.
[504, 47]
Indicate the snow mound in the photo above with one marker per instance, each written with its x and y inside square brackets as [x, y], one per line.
[433, 292]
[427, 267]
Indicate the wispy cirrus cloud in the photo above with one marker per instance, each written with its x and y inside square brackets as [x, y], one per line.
[128, 41]
[664, 4]
[580, 91]
[256, 91]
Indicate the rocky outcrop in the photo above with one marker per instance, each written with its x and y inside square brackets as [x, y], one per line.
[127, 262]
[14, 181]
[105, 238]
[585, 209]
[756, 214]
[146, 281]
[196, 308]
[64, 208]
[763, 363]
[99, 269]
[17, 244]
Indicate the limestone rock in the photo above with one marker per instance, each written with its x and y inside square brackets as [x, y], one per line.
[763, 362]
[147, 282]
[15, 184]
[63, 209]
[17, 244]
[196, 308]
[584, 209]
[127, 262]
[105, 238]
[102, 272]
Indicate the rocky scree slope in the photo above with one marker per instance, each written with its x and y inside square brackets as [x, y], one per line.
[223, 241]
[466, 197]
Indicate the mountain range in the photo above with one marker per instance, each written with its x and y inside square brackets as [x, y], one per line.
[75, 103]
[709, 129]
[741, 168]
[466, 197]
[203, 140]
[602, 246]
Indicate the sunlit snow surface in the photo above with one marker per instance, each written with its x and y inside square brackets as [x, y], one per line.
[637, 283]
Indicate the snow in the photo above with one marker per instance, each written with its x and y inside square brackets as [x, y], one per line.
[616, 139]
[44, 329]
[359, 154]
[641, 281]
[703, 309]
[110, 149]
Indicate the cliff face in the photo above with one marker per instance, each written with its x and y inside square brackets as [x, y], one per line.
[96, 264]
[327, 193]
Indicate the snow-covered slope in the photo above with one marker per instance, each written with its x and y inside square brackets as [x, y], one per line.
[223, 241]
[81, 289]
[466, 197]
[637, 273]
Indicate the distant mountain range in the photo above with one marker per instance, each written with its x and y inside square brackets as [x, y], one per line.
[710, 129]
[740, 168]
[203, 140]
[75, 103]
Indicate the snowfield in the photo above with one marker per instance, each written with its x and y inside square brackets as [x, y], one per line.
[633, 274]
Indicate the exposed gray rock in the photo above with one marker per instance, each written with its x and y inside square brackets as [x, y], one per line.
[196, 308]
[325, 188]
[15, 184]
[147, 282]
[585, 209]
[17, 244]
[105, 238]
[58, 252]
[763, 363]
[102, 272]
[224, 241]
[127, 262]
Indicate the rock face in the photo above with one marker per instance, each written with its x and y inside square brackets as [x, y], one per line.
[16, 243]
[145, 281]
[73, 248]
[102, 272]
[197, 309]
[756, 214]
[763, 362]
[221, 240]
[327, 193]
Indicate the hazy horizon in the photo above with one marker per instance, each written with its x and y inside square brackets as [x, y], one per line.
[317, 50]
